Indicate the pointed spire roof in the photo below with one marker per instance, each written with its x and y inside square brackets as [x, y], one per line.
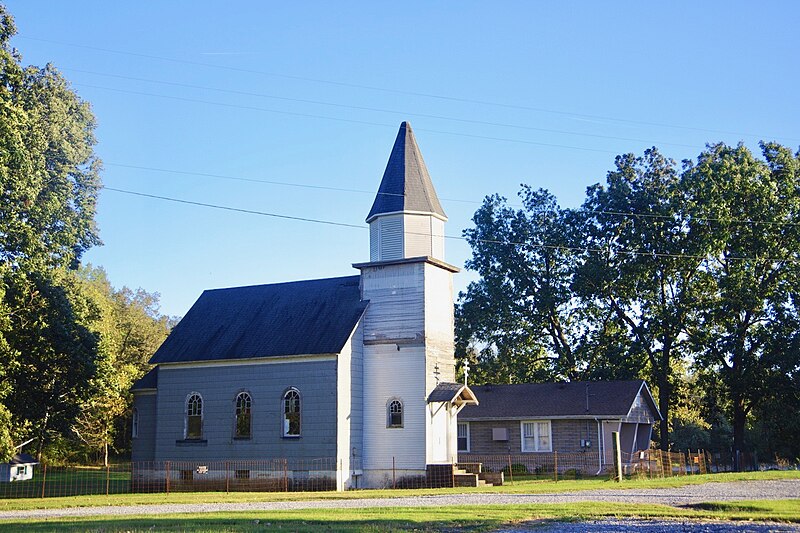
[406, 185]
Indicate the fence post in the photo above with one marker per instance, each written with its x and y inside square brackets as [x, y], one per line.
[286, 475]
[555, 465]
[617, 455]
[510, 470]
[44, 477]
[227, 478]
[167, 477]
[108, 477]
[394, 480]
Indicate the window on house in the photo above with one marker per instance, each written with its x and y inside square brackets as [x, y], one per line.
[463, 436]
[243, 426]
[394, 418]
[21, 470]
[536, 436]
[135, 424]
[291, 413]
[194, 416]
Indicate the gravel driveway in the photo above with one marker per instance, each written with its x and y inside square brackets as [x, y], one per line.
[743, 490]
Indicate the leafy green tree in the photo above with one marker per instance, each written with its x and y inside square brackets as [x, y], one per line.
[642, 264]
[750, 211]
[49, 178]
[49, 174]
[129, 329]
[520, 318]
[56, 351]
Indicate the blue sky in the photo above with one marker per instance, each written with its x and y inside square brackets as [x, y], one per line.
[311, 95]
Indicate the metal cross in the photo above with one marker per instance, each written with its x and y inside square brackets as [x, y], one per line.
[436, 372]
[466, 372]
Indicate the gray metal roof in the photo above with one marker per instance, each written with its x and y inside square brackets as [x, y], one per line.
[406, 184]
[296, 318]
[546, 400]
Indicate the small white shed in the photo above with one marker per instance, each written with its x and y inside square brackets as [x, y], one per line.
[19, 468]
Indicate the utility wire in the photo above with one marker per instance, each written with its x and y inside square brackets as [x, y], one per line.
[352, 121]
[377, 109]
[388, 90]
[364, 191]
[234, 209]
[452, 237]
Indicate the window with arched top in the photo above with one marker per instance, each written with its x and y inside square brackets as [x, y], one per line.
[291, 413]
[243, 416]
[394, 414]
[194, 416]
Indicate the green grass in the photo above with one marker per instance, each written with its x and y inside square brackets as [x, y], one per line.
[518, 487]
[457, 518]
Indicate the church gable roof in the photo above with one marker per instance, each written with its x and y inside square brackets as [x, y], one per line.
[296, 318]
[552, 400]
[406, 184]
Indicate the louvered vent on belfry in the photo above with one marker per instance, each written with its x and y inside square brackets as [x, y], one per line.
[391, 241]
[375, 241]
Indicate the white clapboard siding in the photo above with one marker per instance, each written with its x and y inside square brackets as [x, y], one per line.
[396, 297]
[348, 406]
[391, 373]
[417, 232]
[439, 322]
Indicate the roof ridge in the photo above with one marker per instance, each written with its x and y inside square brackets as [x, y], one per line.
[353, 277]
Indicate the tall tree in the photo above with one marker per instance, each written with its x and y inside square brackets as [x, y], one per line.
[643, 263]
[49, 178]
[750, 209]
[521, 318]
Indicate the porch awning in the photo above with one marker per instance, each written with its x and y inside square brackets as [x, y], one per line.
[454, 393]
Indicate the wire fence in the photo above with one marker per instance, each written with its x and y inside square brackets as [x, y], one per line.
[271, 475]
[321, 474]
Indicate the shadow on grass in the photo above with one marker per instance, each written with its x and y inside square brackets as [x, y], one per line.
[228, 524]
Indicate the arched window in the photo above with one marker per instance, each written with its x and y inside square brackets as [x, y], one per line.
[394, 414]
[291, 413]
[135, 424]
[243, 405]
[194, 416]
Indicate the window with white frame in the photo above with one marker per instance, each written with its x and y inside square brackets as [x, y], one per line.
[463, 436]
[394, 414]
[536, 436]
[243, 426]
[291, 413]
[194, 416]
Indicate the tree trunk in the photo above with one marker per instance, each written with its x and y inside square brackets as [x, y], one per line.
[41, 435]
[105, 454]
[664, 394]
[739, 422]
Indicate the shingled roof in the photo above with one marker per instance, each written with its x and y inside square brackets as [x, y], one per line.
[553, 400]
[406, 184]
[147, 382]
[302, 317]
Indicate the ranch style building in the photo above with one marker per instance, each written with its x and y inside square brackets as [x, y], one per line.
[536, 419]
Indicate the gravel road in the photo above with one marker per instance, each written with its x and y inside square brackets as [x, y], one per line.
[743, 490]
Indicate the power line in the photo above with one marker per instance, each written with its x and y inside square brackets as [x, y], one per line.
[394, 91]
[337, 119]
[377, 109]
[364, 191]
[452, 237]
[235, 209]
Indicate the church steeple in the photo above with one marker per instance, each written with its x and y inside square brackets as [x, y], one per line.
[406, 219]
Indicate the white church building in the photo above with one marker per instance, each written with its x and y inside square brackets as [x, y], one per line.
[359, 369]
